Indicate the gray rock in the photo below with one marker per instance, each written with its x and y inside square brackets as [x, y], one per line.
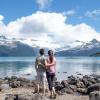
[80, 84]
[82, 90]
[4, 86]
[64, 83]
[94, 95]
[86, 82]
[15, 84]
[7, 78]
[72, 80]
[66, 90]
[73, 88]
[89, 80]
[94, 87]
[58, 86]
[23, 80]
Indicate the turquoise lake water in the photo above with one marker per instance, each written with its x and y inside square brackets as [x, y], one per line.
[21, 66]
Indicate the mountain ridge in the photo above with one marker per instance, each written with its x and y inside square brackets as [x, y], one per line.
[15, 48]
[85, 49]
[20, 47]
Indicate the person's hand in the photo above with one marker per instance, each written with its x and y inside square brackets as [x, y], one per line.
[39, 63]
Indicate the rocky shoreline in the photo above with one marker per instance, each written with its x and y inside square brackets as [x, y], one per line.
[85, 86]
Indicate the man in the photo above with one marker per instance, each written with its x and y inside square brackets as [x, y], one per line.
[41, 71]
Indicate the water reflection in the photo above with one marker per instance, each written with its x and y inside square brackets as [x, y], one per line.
[65, 66]
[80, 65]
[15, 68]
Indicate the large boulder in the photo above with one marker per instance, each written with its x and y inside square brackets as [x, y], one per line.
[15, 84]
[80, 84]
[94, 95]
[72, 80]
[73, 88]
[86, 82]
[66, 90]
[82, 90]
[89, 80]
[58, 86]
[94, 87]
[64, 83]
[25, 82]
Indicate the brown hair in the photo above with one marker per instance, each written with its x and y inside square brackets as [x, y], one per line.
[50, 53]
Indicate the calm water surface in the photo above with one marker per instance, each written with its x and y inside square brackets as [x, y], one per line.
[21, 66]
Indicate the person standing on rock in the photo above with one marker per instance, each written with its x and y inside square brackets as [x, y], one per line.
[50, 64]
[40, 70]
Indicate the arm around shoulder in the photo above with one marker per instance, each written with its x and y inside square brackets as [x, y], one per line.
[50, 64]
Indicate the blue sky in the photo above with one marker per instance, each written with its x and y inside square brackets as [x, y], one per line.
[75, 13]
[13, 9]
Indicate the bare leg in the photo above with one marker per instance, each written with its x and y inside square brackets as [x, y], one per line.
[44, 88]
[38, 88]
[54, 92]
[51, 93]
[44, 83]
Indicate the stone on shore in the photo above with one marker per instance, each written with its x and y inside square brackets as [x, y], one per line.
[84, 85]
[95, 95]
[94, 87]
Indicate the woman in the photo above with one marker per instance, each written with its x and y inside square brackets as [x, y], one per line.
[50, 64]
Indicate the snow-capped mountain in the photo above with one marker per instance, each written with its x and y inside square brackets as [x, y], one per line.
[23, 47]
[79, 48]
[13, 47]
[40, 43]
[30, 47]
[70, 45]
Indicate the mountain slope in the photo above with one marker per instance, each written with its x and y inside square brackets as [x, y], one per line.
[15, 48]
[86, 49]
[24, 47]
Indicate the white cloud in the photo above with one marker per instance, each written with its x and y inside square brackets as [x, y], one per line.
[69, 13]
[38, 24]
[43, 3]
[2, 25]
[93, 14]
[50, 28]
[83, 32]
[1, 17]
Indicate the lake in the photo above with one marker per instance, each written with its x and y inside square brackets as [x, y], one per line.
[24, 66]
